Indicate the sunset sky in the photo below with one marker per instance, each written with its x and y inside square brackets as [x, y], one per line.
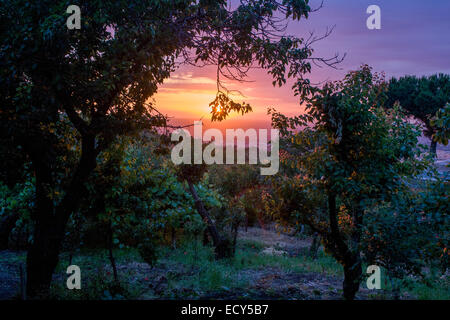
[414, 39]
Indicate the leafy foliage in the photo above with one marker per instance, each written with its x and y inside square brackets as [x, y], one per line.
[420, 97]
[441, 124]
[349, 157]
[96, 83]
[16, 211]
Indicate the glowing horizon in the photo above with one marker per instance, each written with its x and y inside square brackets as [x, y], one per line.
[411, 41]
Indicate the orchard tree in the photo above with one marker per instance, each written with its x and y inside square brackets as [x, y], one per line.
[421, 98]
[241, 187]
[192, 174]
[441, 125]
[350, 154]
[101, 78]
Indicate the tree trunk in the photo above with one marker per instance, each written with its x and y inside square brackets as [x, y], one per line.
[349, 260]
[222, 247]
[429, 133]
[51, 221]
[173, 238]
[205, 237]
[235, 229]
[42, 258]
[110, 252]
[352, 277]
[433, 147]
[314, 246]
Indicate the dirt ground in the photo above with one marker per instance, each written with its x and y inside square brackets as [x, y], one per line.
[264, 283]
[270, 237]
[271, 282]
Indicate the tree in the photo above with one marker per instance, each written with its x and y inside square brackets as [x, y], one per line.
[408, 235]
[101, 76]
[192, 174]
[441, 125]
[350, 155]
[421, 98]
[241, 186]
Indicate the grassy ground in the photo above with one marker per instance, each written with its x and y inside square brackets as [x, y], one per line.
[190, 272]
[266, 266]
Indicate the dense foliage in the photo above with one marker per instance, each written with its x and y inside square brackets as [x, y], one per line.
[96, 82]
[351, 161]
[421, 98]
[85, 154]
[441, 124]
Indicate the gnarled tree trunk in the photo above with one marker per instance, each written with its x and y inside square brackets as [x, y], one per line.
[315, 244]
[222, 246]
[42, 257]
[433, 147]
[51, 220]
[352, 277]
[349, 260]
[429, 132]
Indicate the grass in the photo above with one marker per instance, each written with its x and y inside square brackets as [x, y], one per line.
[438, 290]
[97, 278]
[248, 255]
[190, 271]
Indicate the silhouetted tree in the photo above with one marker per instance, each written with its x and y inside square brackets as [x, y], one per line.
[421, 98]
[98, 80]
[350, 154]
